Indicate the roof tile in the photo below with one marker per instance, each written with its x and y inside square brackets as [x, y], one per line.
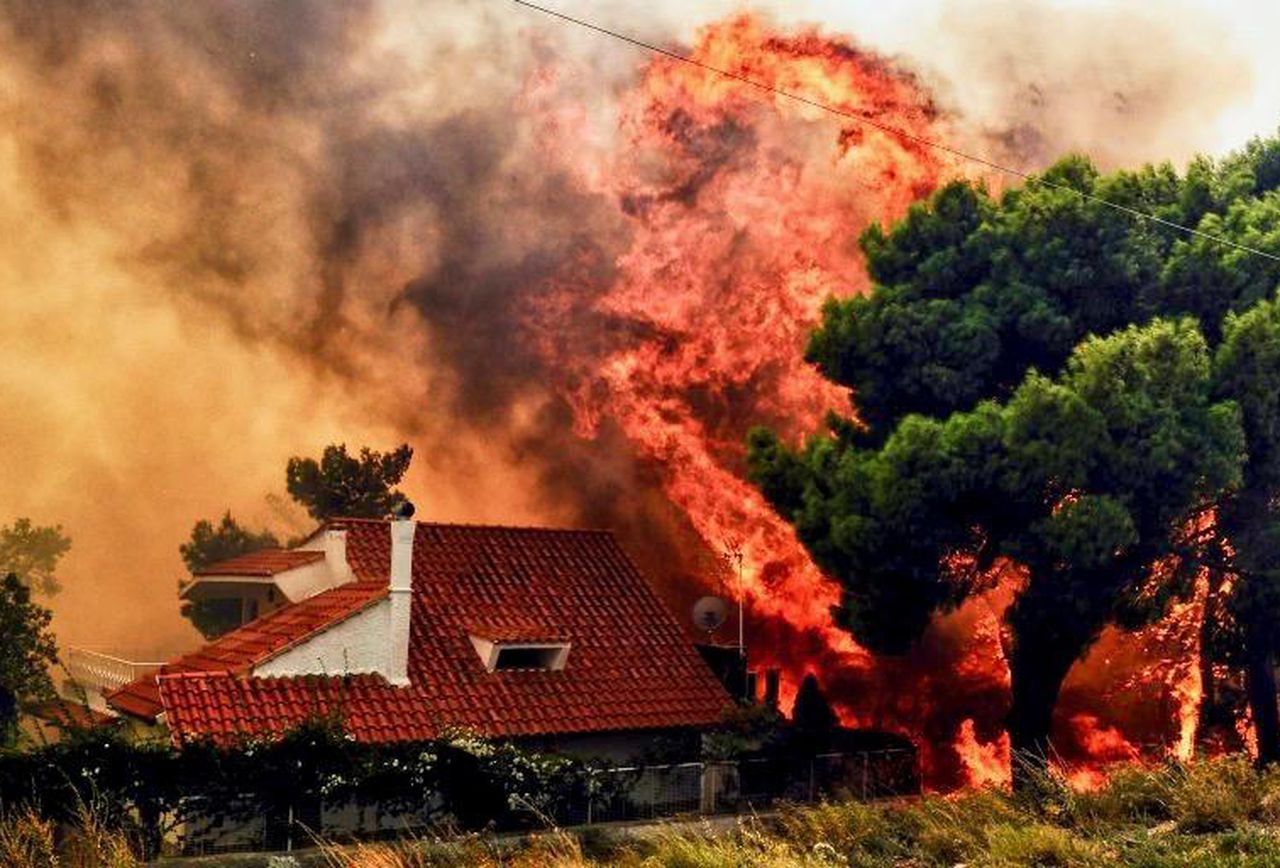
[264, 562]
[630, 664]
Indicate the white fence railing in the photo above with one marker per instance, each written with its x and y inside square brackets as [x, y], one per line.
[102, 673]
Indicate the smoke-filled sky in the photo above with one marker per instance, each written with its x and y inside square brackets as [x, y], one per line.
[231, 232]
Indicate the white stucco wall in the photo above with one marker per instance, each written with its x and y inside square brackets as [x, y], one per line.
[306, 581]
[357, 645]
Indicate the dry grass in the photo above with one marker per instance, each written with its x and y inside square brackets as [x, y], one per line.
[555, 849]
[1220, 812]
[27, 840]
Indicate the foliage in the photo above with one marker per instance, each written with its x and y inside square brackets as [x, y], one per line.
[1046, 385]
[31, 553]
[339, 485]
[1084, 480]
[812, 714]
[1218, 796]
[26, 652]
[1248, 369]
[229, 539]
[26, 839]
[744, 728]
[348, 486]
[1132, 794]
[143, 789]
[210, 544]
[1217, 812]
[981, 828]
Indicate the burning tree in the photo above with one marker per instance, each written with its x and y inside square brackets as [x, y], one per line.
[1247, 534]
[996, 435]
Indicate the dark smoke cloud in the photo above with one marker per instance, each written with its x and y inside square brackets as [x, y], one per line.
[350, 188]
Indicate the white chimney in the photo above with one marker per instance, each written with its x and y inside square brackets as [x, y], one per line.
[335, 556]
[401, 594]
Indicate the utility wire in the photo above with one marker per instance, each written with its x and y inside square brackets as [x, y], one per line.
[895, 131]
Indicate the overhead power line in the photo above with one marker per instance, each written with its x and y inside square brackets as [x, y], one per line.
[896, 131]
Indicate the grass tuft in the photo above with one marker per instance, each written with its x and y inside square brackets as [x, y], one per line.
[1218, 795]
[1037, 844]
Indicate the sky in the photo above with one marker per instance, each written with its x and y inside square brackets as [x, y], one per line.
[977, 48]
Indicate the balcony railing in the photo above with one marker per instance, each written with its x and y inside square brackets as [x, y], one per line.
[95, 671]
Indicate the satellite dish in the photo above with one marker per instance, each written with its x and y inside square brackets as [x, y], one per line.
[709, 613]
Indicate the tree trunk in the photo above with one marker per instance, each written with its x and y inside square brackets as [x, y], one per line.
[1210, 715]
[1037, 672]
[1260, 684]
[8, 716]
[1208, 712]
[149, 819]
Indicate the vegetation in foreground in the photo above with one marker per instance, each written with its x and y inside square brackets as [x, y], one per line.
[1217, 813]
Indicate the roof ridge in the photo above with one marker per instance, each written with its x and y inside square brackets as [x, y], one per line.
[469, 525]
[259, 562]
[195, 673]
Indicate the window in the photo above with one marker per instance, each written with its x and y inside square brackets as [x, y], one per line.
[528, 657]
[499, 656]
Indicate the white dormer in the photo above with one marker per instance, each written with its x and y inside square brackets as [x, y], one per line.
[509, 656]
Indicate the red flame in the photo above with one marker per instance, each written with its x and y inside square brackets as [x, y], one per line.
[741, 212]
[744, 217]
[985, 764]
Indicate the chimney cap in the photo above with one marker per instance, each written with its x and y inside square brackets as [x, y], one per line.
[403, 510]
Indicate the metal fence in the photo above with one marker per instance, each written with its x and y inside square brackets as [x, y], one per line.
[634, 793]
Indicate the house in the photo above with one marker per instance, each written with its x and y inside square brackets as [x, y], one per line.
[260, 582]
[552, 638]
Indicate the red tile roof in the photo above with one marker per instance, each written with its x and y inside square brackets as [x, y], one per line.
[266, 562]
[515, 629]
[630, 665]
[245, 646]
[67, 714]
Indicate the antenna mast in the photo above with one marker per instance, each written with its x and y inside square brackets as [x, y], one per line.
[734, 554]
